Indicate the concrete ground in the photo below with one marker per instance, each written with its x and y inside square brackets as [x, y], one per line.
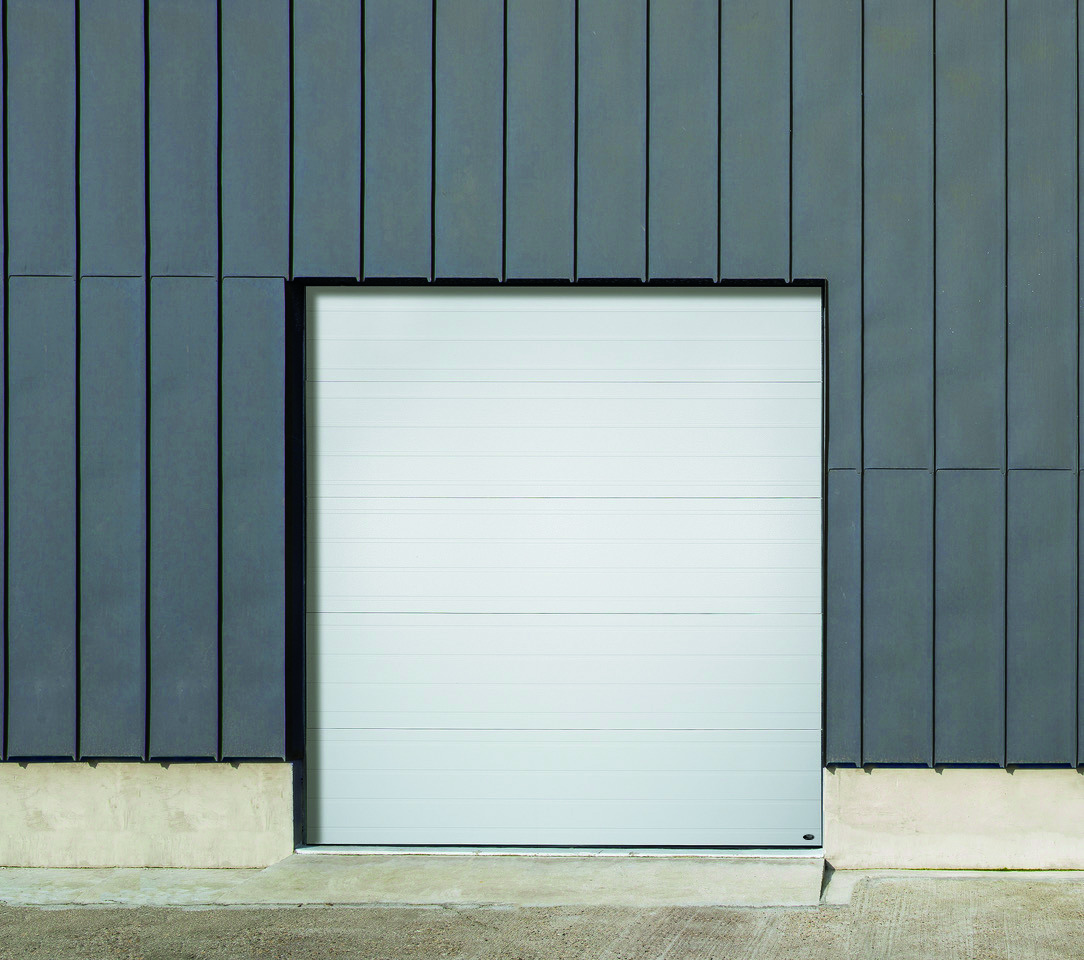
[869, 915]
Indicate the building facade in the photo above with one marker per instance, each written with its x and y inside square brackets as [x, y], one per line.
[177, 173]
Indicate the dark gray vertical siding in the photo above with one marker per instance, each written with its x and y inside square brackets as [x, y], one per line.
[826, 209]
[256, 138]
[897, 616]
[327, 138]
[253, 519]
[1080, 602]
[843, 617]
[112, 215]
[1042, 234]
[540, 139]
[970, 240]
[898, 255]
[183, 464]
[754, 177]
[683, 147]
[969, 656]
[398, 138]
[182, 89]
[1041, 618]
[40, 98]
[41, 625]
[936, 195]
[112, 517]
[468, 147]
[611, 176]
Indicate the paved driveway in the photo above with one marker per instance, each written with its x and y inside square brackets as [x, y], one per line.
[905, 916]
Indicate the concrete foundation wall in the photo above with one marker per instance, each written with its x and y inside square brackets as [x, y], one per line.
[1024, 819]
[121, 814]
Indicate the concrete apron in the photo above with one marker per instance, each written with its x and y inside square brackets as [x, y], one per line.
[427, 879]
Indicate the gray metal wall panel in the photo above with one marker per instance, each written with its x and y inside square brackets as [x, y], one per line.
[41, 137]
[398, 138]
[754, 177]
[1039, 347]
[898, 204]
[843, 618]
[41, 614]
[969, 625]
[112, 210]
[112, 518]
[540, 139]
[970, 241]
[327, 138]
[827, 199]
[897, 616]
[1042, 234]
[253, 519]
[683, 144]
[1041, 619]
[182, 88]
[611, 185]
[183, 701]
[256, 138]
[1080, 636]
[468, 147]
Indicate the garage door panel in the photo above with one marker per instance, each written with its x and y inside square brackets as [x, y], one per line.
[589, 837]
[557, 699]
[538, 413]
[633, 358]
[564, 635]
[608, 591]
[556, 785]
[562, 442]
[563, 566]
[537, 476]
[721, 719]
[569, 751]
[515, 320]
[531, 814]
[659, 522]
[660, 668]
[513, 553]
[320, 392]
[770, 371]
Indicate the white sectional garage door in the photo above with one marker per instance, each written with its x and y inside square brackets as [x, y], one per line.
[564, 566]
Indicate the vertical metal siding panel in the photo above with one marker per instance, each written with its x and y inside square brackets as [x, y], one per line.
[256, 138]
[112, 518]
[1041, 622]
[970, 242]
[253, 519]
[398, 138]
[684, 139]
[969, 627]
[898, 375]
[41, 627]
[182, 85]
[41, 137]
[1042, 234]
[468, 150]
[611, 198]
[1080, 636]
[327, 138]
[827, 198]
[111, 138]
[843, 618]
[540, 140]
[897, 616]
[754, 177]
[183, 700]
